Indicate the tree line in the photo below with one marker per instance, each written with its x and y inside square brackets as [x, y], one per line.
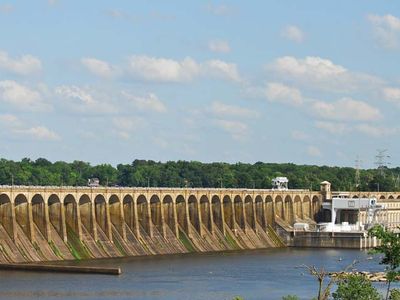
[143, 173]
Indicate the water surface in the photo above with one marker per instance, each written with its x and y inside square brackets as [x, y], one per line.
[253, 275]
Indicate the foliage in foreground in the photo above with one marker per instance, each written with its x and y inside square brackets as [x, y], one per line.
[355, 287]
[390, 248]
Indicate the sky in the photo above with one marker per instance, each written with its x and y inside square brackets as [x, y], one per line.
[307, 82]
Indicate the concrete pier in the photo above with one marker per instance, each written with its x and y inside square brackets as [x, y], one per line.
[61, 269]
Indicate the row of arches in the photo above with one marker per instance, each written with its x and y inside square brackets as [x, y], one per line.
[144, 214]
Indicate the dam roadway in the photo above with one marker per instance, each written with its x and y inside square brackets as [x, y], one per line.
[59, 223]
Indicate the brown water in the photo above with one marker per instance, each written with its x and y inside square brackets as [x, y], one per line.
[259, 274]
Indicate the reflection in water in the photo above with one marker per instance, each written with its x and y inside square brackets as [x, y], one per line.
[261, 274]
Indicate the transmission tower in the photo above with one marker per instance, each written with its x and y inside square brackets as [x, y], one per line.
[381, 160]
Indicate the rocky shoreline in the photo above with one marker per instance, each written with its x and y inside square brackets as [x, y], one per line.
[372, 276]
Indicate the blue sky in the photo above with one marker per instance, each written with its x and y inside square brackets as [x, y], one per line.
[308, 82]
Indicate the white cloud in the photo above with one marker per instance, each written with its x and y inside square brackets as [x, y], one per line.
[219, 46]
[319, 73]
[125, 126]
[332, 127]
[346, 109]
[312, 66]
[163, 69]
[293, 33]
[9, 120]
[219, 9]
[21, 97]
[236, 129]
[386, 30]
[85, 99]
[314, 151]
[392, 95]
[278, 92]
[364, 128]
[126, 123]
[100, 68]
[221, 109]
[149, 102]
[223, 70]
[6, 8]
[74, 92]
[24, 65]
[169, 70]
[39, 133]
[299, 135]
[375, 131]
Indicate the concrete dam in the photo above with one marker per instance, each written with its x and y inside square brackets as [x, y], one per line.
[65, 223]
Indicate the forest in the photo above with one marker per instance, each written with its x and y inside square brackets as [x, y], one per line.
[148, 173]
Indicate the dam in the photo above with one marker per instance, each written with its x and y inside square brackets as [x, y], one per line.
[61, 223]
[64, 223]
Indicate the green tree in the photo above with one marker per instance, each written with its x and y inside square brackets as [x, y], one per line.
[390, 248]
[290, 297]
[355, 287]
[394, 294]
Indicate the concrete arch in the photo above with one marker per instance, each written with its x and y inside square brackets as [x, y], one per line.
[116, 213]
[143, 213]
[391, 197]
[100, 211]
[129, 211]
[259, 211]
[297, 207]
[55, 213]
[71, 213]
[279, 208]
[205, 212]
[193, 208]
[22, 213]
[382, 197]
[315, 206]
[169, 212]
[39, 213]
[288, 210]
[85, 211]
[306, 207]
[217, 212]
[269, 210]
[228, 212]
[6, 219]
[239, 212]
[156, 213]
[249, 211]
[181, 213]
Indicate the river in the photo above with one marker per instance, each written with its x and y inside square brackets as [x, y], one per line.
[253, 275]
